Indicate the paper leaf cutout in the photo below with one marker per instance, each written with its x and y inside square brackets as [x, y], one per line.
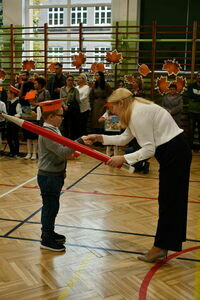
[28, 65]
[114, 57]
[2, 74]
[181, 84]
[51, 67]
[79, 60]
[144, 70]
[129, 78]
[171, 66]
[162, 84]
[97, 67]
[30, 95]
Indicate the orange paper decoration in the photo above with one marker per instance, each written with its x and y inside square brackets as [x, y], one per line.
[30, 95]
[2, 74]
[162, 84]
[130, 78]
[181, 84]
[97, 67]
[28, 65]
[171, 66]
[79, 60]
[144, 70]
[114, 57]
[51, 67]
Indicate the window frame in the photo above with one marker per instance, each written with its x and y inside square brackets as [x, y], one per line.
[53, 11]
[58, 54]
[100, 11]
[79, 10]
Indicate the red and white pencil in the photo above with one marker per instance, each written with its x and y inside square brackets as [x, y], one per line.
[62, 140]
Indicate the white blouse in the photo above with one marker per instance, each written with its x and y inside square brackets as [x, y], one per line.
[84, 98]
[151, 125]
[2, 110]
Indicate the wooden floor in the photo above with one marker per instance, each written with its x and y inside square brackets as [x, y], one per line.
[109, 217]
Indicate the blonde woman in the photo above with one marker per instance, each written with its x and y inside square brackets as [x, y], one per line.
[157, 134]
[84, 92]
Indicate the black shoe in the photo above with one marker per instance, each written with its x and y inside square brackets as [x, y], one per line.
[52, 245]
[58, 238]
[146, 168]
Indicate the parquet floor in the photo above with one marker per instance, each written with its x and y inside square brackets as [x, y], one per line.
[109, 217]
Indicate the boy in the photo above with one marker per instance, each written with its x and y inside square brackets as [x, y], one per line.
[51, 174]
[14, 109]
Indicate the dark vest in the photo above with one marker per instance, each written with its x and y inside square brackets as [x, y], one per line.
[12, 107]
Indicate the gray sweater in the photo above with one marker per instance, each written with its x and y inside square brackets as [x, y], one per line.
[175, 105]
[52, 155]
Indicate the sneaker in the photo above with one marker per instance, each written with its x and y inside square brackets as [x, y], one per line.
[52, 245]
[34, 156]
[28, 156]
[58, 238]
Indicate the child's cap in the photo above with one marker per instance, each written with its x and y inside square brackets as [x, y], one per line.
[14, 90]
[30, 95]
[51, 105]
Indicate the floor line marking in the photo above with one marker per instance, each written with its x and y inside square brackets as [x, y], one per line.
[64, 295]
[155, 268]
[17, 187]
[95, 193]
[94, 248]
[94, 229]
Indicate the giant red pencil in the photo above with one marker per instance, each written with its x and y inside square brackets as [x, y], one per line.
[60, 139]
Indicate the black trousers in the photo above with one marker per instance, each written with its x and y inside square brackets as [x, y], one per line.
[13, 138]
[50, 187]
[174, 158]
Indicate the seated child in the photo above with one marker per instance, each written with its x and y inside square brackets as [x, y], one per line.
[111, 126]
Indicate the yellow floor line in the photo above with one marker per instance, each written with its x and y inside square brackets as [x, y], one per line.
[75, 277]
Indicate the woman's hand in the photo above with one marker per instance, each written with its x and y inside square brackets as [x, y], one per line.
[92, 138]
[116, 161]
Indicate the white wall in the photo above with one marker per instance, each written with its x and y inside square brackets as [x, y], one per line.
[14, 12]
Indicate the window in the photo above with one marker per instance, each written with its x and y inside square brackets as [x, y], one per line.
[56, 16]
[78, 15]
[100, 55]
[102, 15]
[55, 54]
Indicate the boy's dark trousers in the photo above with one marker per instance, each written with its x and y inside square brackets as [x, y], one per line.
[13, 138]
[50, 187]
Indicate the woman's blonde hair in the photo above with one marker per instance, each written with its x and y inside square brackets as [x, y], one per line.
[127, 98]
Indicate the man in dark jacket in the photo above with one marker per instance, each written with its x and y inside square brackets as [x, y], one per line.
[194, 108]
[56, 82]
